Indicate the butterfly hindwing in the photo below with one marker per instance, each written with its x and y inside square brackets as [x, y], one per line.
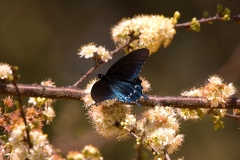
[102, 91]
[127, 91]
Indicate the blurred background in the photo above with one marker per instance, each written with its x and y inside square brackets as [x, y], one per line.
[42, 38]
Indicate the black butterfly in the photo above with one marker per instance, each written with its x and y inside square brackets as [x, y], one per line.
[121, 81]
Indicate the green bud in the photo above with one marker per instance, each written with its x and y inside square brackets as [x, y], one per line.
[195, 25]
[177, 15]
[226, 17]
[205, 14]
[226, 11]
[219, 8]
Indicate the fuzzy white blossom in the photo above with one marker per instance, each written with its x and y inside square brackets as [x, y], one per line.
[87, 99]
[87, 51]
[106, 118]
[215, 91]
[41, 148]
[152, 31]
[5, 71]
[49, 114]
[104, 54]
[161, 129]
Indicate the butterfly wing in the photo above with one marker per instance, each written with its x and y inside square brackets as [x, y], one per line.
[129, 67]
[127, 91]
[102, 91]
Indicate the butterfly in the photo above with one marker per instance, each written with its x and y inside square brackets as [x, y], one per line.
[121, 81]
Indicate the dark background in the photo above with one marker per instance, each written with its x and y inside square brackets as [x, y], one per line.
[42, 38]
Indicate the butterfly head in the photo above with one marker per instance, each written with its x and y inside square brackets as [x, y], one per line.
[100, 76]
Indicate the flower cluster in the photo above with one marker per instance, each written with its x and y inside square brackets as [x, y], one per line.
[152, 31]
[161, 129]
[19, 150]
[15, 129]
[88, 51]
[47, 111]
[5, 71]
[217, 93]
[107, 118]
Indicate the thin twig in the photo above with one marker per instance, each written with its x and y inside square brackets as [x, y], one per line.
[233, 116]
[235, 18]
[139, 147]
[101, 62]
[137, 137]
[203, 20]
[22, 113]
[166, 156]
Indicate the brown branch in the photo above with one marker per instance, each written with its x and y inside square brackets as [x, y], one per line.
[75, 93]
[42, 91]
[102, 62]
[187, 102]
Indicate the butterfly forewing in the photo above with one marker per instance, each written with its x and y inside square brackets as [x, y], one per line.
[129, 66]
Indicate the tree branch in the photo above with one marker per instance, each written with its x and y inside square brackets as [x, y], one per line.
[42, 91]
[75, 93]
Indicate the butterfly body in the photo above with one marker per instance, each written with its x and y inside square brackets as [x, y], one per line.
[121, 81]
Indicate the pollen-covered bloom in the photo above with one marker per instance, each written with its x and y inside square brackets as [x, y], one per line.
[87, 51]
[41, 148]
[17, 134]
[215, 91]
[8, 101]
[5, 71]
[49, 114]
[145, 84]
[87, 99]
[36, 101]
[19, 150]
[48, 82]
[104, 54]
[107, 119]
[128, 123]
[186, 113]
[152, 31]
[161, 129]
